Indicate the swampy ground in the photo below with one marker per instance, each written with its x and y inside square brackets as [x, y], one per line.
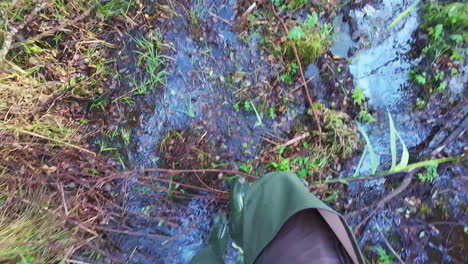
[123, 122]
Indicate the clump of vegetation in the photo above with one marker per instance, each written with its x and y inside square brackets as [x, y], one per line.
[444, 51]
[28, 233]
[447, 26]
[310, 38]
[340, 133]
[429, 175]
[384, 257]
[360, 100]
[290, 73]
[150, 57]
[305, 160]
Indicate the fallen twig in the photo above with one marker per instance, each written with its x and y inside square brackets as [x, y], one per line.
[249, 10]
[291, 142]
[303, 79]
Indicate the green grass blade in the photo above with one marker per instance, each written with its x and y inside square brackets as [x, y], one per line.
[402, 15]
[392, 140]
[259, 118]
[371, 150]
[404, 155]
[361, 160]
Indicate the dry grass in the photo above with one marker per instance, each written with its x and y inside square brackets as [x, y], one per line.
[51, 189]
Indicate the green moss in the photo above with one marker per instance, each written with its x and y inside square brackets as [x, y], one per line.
[339, 132]
[310, 38]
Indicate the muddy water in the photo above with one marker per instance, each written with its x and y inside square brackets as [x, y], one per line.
[381, 66]
[209, 65]
[200, 96]
[382, 71]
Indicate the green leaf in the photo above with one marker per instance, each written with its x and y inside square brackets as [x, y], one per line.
[373, 158]
[247, 106]
[296, 33]
[438, 31]
[442, 86]
[361, 160]
[421, 79]
[358, 95]
[456, 38]
[405, 154]
[311, 20]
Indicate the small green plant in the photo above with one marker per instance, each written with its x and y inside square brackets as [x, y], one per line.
[384, 258]
[304, 166]
[140, 88]
[419, 78]
[103, 147]
[99, 103]
[272, 112]
[247, 106]
[112, 133]
[189, 111]
[236, 105]
[113, 7]
[279, 4]
[358, 96]
[290, 73]
[246, 167]
[310, 39]
[150, 56]
[359, 99]
[126, 133]
[282, 165]
[437, 83]
[429, 175]
[31, 48]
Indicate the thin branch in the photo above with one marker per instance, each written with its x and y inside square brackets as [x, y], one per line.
[303, 79]
[291, 141]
